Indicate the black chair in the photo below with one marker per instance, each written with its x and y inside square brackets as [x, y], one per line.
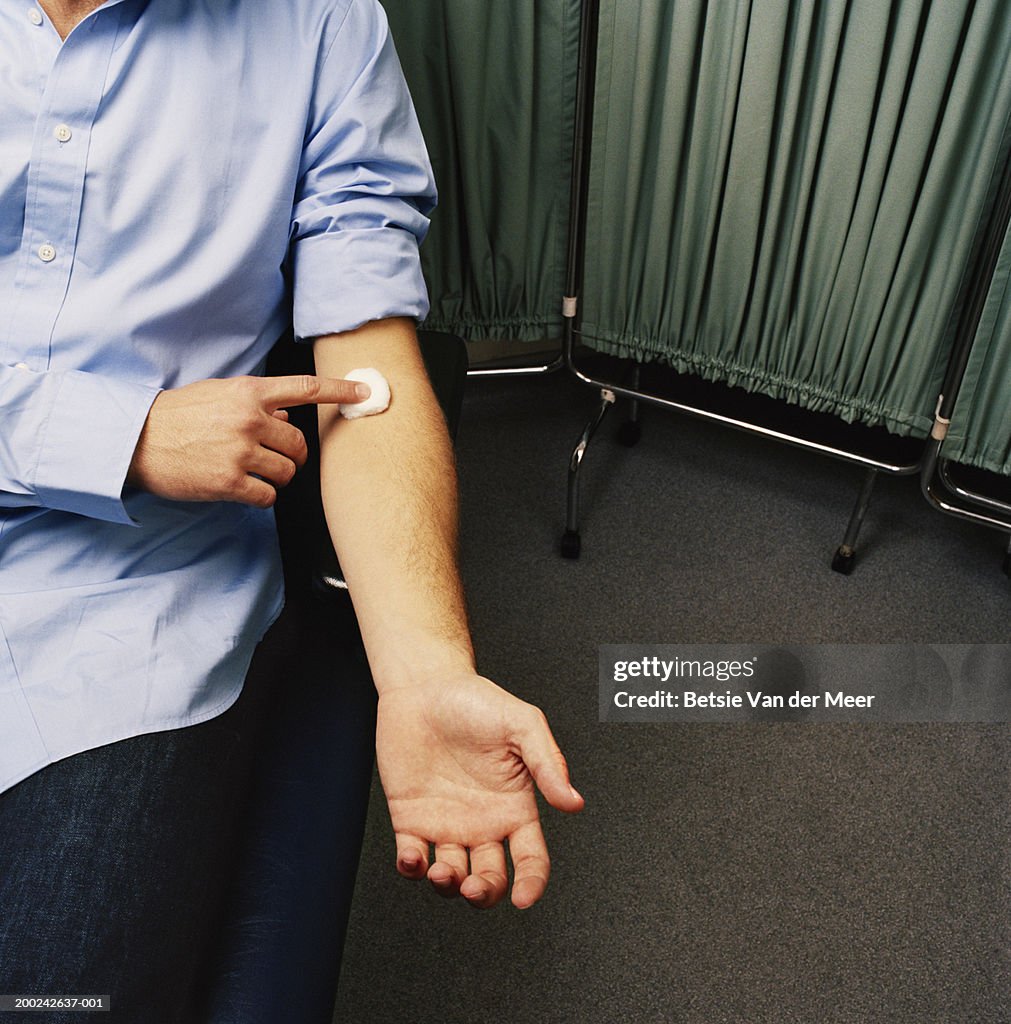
[283, 936]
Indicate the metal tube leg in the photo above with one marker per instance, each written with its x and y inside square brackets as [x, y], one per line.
[571, 542]
[846, 553]
[631, 430]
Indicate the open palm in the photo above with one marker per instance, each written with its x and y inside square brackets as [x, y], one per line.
[458, 759]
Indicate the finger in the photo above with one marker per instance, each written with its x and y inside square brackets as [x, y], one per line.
[412, 855]
[308, 390]
[531, 866]
[251, 491]
[280, 414]
[274, 468]
[486, 884]
[547, 763]
[449, 870]
[284, 438]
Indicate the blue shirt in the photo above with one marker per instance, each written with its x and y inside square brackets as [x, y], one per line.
[178, 181]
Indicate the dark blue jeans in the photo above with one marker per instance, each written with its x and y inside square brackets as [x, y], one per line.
[201, 874]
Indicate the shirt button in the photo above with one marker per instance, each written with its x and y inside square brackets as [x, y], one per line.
[62, 132]
[47, 253]
[34, 15]
[20, 366]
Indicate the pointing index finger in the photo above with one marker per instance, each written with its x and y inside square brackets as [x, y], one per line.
[305, 389]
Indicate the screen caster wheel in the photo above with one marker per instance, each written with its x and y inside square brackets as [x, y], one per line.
[629, 433]
[570, 544]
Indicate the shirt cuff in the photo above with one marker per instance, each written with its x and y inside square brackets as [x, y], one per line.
[345, 279]
[88, 441]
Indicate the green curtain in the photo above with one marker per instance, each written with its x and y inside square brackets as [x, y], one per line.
[784, 195]
[980, 433]
[494, 85]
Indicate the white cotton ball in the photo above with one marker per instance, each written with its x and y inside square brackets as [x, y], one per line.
[378, 401]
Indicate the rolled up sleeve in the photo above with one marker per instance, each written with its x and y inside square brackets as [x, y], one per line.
[365, 188]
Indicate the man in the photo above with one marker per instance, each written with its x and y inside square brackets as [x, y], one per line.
[178, 180]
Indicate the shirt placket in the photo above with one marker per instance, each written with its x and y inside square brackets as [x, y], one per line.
[71, 94]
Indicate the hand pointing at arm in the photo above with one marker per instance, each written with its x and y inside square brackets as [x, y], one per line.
[212, 440]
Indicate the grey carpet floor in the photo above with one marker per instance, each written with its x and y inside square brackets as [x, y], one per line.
[819, 874]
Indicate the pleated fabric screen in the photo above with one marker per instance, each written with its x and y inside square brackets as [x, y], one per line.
[494, 86]
[980, 433]
[784, 195]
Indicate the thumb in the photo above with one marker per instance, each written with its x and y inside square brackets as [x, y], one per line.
[547, 764]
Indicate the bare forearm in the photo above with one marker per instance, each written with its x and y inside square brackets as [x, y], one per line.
[458, 756]
[389, 492]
